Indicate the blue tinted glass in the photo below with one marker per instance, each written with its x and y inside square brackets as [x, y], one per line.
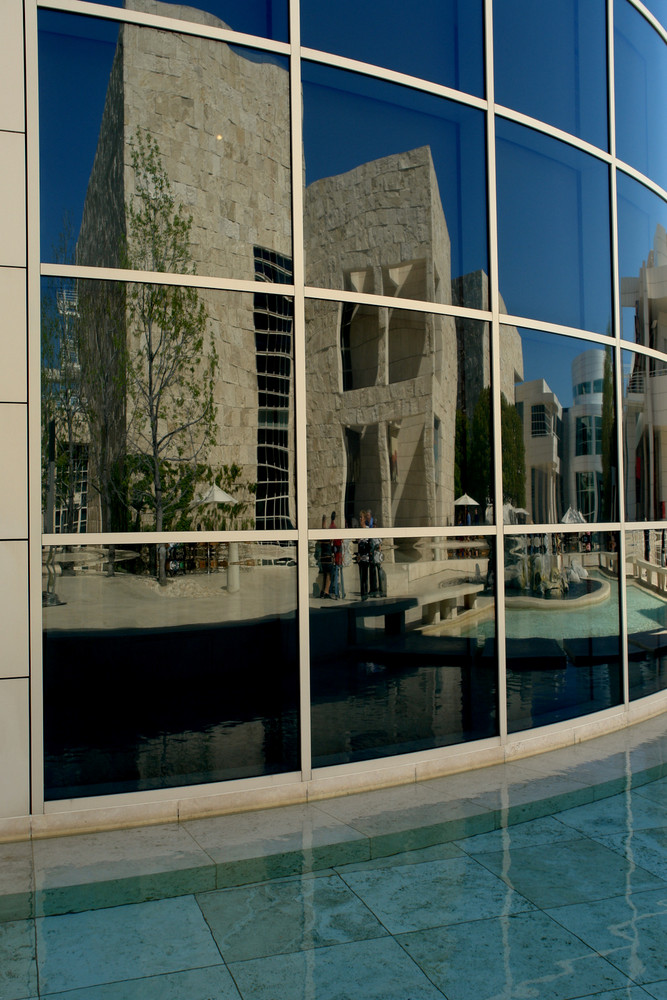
[71, 102]
[641, 83]
[124, 106]
[419, 649]
[266, 18]
[553, 230]
[394, 177]
[194, 716]
[550, 62]
[642, 257]
[440, 41]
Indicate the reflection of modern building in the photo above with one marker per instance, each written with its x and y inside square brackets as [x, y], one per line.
[564, 447]
[542, 418]
[585, 435]
[645, 391]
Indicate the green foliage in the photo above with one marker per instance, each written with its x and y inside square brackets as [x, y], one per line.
[514, 454]
[479, 459]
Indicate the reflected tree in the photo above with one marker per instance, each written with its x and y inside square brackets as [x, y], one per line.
[62, 406]
[479, 459]
[171, 361]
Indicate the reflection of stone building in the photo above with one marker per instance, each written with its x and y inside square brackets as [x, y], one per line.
[221, 121]
[383, 384]
[645, 402]
[382, 381]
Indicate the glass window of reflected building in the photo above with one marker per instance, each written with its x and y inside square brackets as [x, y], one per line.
[642, 256]
[395, 200]
[558, 430]
[562, 625]
[644, 434]
[640, 57]
[155, 686]
[550, 62]
[267, 18]
[440, 42]
[553, 230]
[399, 644]
[166, 407]
[128, 133]
[646, 597]
[399, 416]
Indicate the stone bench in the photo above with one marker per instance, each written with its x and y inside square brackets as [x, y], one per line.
[390, 608]
[446, 601]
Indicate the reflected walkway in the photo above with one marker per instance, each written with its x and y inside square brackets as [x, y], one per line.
[543, 877]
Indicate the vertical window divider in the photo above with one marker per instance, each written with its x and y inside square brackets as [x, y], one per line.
[300, 414]
[618, 355]
[495, 372]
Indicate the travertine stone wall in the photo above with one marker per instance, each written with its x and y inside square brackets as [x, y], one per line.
[14, 651]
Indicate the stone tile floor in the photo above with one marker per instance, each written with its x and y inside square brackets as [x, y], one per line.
[544, 878]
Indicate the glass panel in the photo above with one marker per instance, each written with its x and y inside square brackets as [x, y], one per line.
[442, 42]
[267, 18]
[640, 58]
[559, 437]
[553, 230]
[646, 593]
[562, 627]
[642, 254]
[645, 437]
[399, 416]
[550, 62]
[395, 201]
[397, 660]
[166, 407]
[149, 141]
[143, 685]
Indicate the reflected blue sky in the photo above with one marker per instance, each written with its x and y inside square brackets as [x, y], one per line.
[442, 42]
[553, 230]
[267, 18]
[641, 67]
[550, 62]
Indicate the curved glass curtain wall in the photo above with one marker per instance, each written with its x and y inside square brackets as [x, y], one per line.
[286, 464]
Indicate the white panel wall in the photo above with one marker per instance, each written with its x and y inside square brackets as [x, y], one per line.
[14, 654]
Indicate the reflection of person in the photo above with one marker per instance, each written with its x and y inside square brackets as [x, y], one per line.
[363, 557]
[372, 561]
[336, 557]
[326, 563]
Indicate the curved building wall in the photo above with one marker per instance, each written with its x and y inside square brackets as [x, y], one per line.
[340, 457]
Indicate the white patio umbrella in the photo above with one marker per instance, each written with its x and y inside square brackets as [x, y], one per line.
[213, 495]
[465, 501]
[573, 516]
